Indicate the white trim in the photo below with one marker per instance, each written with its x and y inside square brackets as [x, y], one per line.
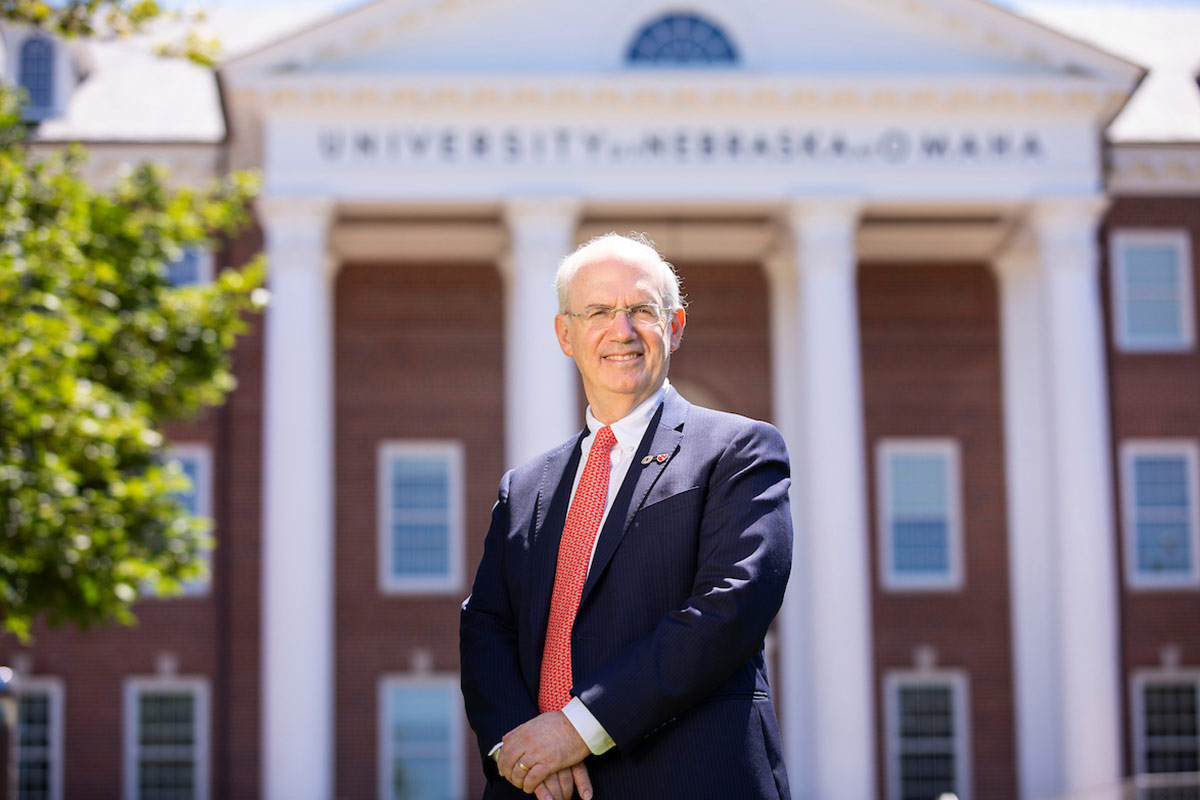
[1190, 452]
[1138, 680]
[53, 688]
[959, 684]
[948, 449]
[134, 687]
[1180, 241]
[456, 728]
[203, 489]
[454, 454]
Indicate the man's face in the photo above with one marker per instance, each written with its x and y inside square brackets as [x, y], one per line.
[621, 363]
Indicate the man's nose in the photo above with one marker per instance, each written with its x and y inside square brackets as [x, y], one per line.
[621, 327]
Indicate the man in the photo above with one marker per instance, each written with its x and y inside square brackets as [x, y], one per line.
[613, 641]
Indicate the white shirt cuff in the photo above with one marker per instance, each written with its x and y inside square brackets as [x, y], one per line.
[588, 727]
[492, 753]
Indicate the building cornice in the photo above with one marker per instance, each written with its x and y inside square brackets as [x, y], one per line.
[1154, 169]
[289, 93]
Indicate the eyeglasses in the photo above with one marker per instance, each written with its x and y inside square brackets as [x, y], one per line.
[643, 315]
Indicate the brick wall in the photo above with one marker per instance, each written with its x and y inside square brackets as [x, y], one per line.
[1153, 395]
[931, 368]
[419, 355]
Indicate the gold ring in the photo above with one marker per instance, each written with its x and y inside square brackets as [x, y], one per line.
[521, 764]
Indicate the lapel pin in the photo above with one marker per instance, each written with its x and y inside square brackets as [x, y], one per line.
[660, 458]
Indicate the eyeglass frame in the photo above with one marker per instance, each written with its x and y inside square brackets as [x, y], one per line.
[663, 313]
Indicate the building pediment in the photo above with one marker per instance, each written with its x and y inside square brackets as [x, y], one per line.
[553, 38]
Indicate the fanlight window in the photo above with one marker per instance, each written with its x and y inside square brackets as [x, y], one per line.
[675, 39]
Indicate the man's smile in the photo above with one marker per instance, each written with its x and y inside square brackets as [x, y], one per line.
[624, 356]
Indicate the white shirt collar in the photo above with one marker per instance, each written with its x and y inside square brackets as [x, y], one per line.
[629, 428]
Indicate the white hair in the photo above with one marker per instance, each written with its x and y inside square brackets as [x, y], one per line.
[635, 247]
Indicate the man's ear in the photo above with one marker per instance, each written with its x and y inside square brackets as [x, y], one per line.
[560, 330]
[678, 320]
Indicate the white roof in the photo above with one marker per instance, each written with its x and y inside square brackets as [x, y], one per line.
[130, 95]
[1163, 37]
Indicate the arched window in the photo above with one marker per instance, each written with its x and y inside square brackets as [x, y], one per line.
[674, 39]
[37, 71]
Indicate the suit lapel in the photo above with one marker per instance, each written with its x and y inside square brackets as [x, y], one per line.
[662, 437]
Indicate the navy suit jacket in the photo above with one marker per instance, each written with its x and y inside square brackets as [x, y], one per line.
[667, 647]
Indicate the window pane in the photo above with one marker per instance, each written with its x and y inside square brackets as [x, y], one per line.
[37, 72]
[926, 777]
[185, 270]
[920, 546]
[918, 484]
[1152, 293]
[166, 719]
[1162, 516]
[1171, 724]
[166, 780]
[926, 712]
[166, 764]
[190, 466]
[33, 720]
[420, 743]
[420, 483]
[927, 741]
[33, 746]
[920, 526]
[677, 39]
[421, 514]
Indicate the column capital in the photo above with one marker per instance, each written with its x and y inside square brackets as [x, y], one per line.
[817, 212]
[541, 231]
[1065, 229]
[1067, 215]
[1018, 257]
[822, 232]
[533, 218]
[305, 211]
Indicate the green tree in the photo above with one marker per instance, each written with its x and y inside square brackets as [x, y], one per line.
[97, 351]
[112, 18]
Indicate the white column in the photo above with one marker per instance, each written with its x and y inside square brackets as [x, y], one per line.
[794, 680]
[298, 602]
[540, 399]
[831, 492]
[1033, 557]
[1080, 442]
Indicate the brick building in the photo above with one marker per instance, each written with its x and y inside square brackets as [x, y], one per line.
[950, 251]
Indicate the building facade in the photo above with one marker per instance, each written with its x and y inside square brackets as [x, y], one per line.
[916, 236]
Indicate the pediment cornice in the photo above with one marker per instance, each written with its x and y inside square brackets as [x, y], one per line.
[373, 26]
[484, 94]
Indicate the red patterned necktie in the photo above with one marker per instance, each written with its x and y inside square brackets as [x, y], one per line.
[574, 553]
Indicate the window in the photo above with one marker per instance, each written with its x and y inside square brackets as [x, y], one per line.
[679, 39]
[1152, 291]
[1166, 725]
[39, 738]
[36, 71]
[920, 528]
[928, 743]
[420, 516]
[166, 739]
[196, 462]
[421, 739]
[193, 266]
[1160, 513]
